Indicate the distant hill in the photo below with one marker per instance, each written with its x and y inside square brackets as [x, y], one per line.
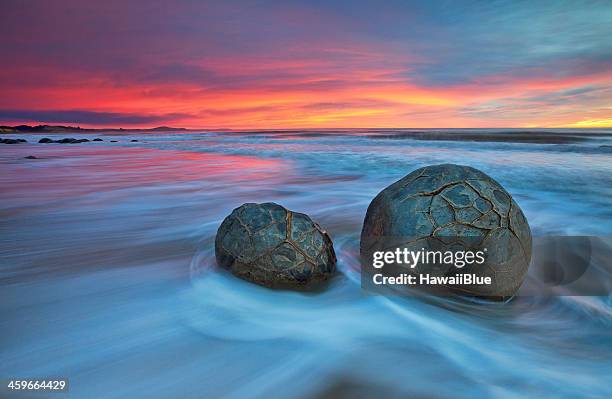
[166, 129]
[77, 129]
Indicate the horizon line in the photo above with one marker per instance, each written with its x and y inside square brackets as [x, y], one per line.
[178, 128]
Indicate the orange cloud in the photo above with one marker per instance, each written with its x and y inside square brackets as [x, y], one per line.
[240, 93]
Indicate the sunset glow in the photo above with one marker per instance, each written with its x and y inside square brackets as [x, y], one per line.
[310, 64]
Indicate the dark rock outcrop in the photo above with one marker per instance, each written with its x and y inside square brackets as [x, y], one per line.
[67, 140]
[10, 141]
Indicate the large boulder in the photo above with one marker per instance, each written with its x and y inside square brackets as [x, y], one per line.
[456, 208]
[274, 247]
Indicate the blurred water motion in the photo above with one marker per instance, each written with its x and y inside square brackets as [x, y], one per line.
[107, 272]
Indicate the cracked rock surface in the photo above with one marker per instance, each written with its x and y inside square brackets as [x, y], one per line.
[274, 247]
[459, 207]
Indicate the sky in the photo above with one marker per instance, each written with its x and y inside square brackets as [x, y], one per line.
[306, 64]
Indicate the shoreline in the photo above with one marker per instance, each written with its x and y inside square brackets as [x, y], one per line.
[562, 136]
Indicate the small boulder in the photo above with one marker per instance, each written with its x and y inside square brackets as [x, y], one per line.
[97, 139]
[45, 140]
[274, 247]
[30, 157]
[134, 141]
[114, 141]
[67, 140]
[10, 141]
[22, 140]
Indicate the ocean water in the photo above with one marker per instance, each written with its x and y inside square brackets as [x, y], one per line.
[107, 272]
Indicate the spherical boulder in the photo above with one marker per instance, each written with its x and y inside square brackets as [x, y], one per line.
[274, 247]
[456, 208]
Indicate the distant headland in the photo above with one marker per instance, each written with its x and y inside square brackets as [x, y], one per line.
[77, 129]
